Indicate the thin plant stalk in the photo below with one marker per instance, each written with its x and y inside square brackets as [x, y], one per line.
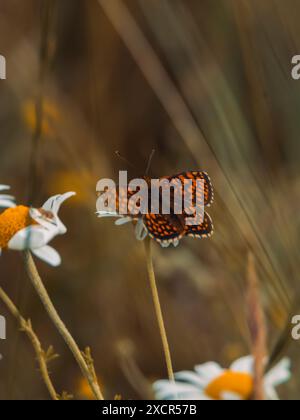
[81, 359]
[257, 327]
[40, 354]
[158, 310]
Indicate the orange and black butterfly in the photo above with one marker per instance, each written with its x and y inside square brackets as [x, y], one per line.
[166, 229]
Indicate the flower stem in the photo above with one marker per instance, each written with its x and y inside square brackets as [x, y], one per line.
[41, 355]
[158, 309]
[69, 340]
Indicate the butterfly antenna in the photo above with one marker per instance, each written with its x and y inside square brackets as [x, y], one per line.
[150, 161]
[125, 160]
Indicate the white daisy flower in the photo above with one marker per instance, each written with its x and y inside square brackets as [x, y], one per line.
[6, 201]
[211, 382]
[23, 228]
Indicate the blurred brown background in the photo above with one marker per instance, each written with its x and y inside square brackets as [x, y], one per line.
[207, 84]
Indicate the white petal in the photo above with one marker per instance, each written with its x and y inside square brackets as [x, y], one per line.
[209, 371]
[29, 238]
[7, 203]
[53, 226]
[39, 218]
[7, 197]
[165, 244]
[167, 390]
[107, 214]
[48, 254]
[192, 379]
[140, 230]
[54, 203]
[123, 221]
[230, 396]
[279, 374]
[243, 365]
[4, 187]
[271, 394]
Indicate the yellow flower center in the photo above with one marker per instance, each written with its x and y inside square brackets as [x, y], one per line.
[237, 383]
[12, 221]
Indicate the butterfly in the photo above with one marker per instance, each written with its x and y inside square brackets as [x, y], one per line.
[165, 229]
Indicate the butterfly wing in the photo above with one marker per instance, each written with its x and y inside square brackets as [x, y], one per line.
[166, 231]
[163, 230]
[205, 230]
[194, 176]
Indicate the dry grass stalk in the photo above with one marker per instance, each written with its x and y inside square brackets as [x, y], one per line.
[257, 326]
[84, 360]
[43, 357]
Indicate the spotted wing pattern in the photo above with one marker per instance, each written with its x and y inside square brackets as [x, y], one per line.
[205, 230]
[162, 230]
[166, 230]
[194, 176]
